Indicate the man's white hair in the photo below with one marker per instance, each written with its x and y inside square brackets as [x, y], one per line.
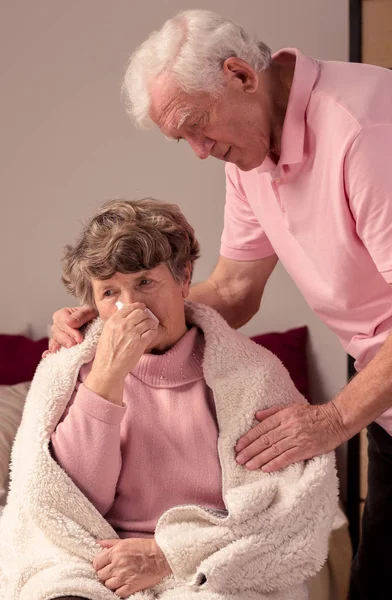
[192, 48]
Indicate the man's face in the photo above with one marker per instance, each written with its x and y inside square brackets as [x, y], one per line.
[234, 128]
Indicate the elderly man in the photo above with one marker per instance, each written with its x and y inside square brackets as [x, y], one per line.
[308, 151]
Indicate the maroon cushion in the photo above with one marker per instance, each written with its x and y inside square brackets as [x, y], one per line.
[19, 357]
[290, 347]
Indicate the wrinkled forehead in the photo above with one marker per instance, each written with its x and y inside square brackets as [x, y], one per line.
[171, 107]
[167, 103]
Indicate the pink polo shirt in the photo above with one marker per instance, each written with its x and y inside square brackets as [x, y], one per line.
[326, 208]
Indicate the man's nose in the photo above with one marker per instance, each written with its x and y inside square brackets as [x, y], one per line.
[201, 146]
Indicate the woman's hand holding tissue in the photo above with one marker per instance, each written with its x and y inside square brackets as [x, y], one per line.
[130, 565]
[288, 435]
[126, 335]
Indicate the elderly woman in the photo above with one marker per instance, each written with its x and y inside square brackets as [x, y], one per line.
[124, 477]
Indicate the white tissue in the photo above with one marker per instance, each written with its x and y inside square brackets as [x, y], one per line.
[120, 305]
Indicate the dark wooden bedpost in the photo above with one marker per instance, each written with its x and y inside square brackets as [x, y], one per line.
[353, 446]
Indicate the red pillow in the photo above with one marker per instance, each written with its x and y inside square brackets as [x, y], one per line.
[19, 357]
[290, 347]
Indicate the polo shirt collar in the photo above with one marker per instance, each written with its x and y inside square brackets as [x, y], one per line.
[293, 135]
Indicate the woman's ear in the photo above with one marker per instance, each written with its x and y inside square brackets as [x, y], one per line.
[187, 280]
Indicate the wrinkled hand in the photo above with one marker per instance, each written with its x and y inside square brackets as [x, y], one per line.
[125, 336]
[288, 435]
[66, 324]
[130, 565]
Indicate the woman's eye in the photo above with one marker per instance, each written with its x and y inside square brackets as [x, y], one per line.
[108, 293]
[145, 282]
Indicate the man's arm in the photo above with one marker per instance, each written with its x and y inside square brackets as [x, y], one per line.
[369, 394]
[235, 288]
[288, 435]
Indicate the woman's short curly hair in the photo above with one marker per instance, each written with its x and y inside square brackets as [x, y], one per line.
[126, 237]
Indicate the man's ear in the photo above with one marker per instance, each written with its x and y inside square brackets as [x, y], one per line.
[240, 73]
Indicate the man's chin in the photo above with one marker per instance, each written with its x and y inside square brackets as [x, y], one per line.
[246, 161]
[247, 165]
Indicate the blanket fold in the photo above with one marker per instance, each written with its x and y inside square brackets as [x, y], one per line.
[271, 538]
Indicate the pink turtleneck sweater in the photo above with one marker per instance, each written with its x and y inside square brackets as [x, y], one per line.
[157, 451]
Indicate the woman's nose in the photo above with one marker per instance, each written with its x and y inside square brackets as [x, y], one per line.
[129, 297]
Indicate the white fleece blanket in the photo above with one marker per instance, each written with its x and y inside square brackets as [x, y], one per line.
[273, 536]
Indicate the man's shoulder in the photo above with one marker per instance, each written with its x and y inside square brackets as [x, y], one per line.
[361, 93]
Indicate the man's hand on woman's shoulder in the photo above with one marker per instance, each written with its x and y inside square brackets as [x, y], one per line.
[66, 324]
[286, 435]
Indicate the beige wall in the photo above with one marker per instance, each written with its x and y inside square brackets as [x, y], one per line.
[66, 145]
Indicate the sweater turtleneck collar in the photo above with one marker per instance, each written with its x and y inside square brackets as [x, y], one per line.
[178, 366]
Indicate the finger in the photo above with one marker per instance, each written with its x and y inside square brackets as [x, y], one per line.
[112, 583]
[139, 316]
[105, 573]
[76, 317]
[144, 327]
[135, 332]
[101, 560]
[135, 316]
[61, 338]
[45, 354]
[66, 336]
[124, 591]
[263, 414]
[276, 449]
[53, 346]
[149, 336]
[153, 319]
[258, 430]
[108, 543]
[262, 443]
[66, 320]
[288, 457]
[128, 309]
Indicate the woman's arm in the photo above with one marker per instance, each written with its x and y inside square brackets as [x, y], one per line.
[86, 444]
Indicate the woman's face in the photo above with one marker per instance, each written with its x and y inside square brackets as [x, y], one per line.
[157, 289]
